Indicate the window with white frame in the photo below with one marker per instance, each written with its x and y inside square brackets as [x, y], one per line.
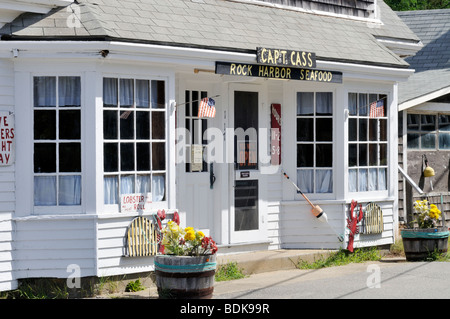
[315, 142]
[134, 136]
[367, 142]
[428, 132]
[57, 140]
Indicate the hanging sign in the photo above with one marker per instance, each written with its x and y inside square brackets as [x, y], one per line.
[279, 57]
[6, 139]
[275, 134]
[139, 202]
[278, 72]
[196, 157]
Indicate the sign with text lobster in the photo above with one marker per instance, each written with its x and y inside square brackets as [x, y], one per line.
[6, 138]
[275, 134]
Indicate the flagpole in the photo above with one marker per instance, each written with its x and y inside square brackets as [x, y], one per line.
[210, 97]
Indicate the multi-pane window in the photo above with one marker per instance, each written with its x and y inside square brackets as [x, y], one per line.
[134, 133]
[57, 140]
[428, 131]
[196, 127]
[315, 142]
[367, 146]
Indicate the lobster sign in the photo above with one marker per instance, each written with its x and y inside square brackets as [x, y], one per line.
[352, 223]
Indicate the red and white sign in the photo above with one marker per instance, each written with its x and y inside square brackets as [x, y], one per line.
[275, 134]
[6, 139]
[131, 203]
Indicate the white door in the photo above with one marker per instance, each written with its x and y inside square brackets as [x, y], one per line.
[246, 210]
[195, 180]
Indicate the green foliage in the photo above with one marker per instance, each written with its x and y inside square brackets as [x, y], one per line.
[134, 286]
[342, 257]
[229, 271]
[408, 5]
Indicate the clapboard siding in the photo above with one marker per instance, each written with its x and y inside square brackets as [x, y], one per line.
[111, 243]
[46, 246]
[7, 187]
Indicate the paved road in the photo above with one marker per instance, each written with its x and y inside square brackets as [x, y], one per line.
[375, 280]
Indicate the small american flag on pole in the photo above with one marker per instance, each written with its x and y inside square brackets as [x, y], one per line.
[377, 109]
[207, 108]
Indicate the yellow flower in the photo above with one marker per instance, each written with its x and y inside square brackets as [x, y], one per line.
[200, 234]
[188, 229]
[190, 235]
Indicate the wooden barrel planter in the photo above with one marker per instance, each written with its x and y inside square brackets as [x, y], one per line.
[420, 243]
[185, 277]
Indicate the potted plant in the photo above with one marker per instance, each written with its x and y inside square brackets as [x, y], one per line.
[428, 238]
[186, 265]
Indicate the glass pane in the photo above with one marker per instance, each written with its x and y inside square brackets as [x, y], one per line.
[363, 180]
[110, 190]
[143, 125]
[324, 103]
[126, 92]
[413, 141]
[305, 180]
[352, 180]
[158, 156]
[69, 91]
[143, 156]
[382, 179]
[159, 95]
[70, 157]
[444, 141]
[324, 155]
[110, 125]
[110, 157]
[428, 123]
[352, 129]
[373, 154]
[353, 155]
[204, 128]
[195, 103]
[305, 130]
[143, 184]
[413, 122]
[127, 184]
[363, 130]
[373, 130]
[383, 154]
[246, 215]
[305, 103]
[44, 157]
[70, 125]
[158, 125]
[127, 157]
[373, 179]
[69, 190]
[305, 155]
[44, 125]
[187, 99]
[363, 105]
[324, 129]
[45, 190]
[110, 96]
[383, 130]
[127, 125]
[353, 103]
[143, 93]
[444, 123]
[324, 181]
[158, 187]
[44, 90]
[383, 99]
[363, 155]
[428, 141]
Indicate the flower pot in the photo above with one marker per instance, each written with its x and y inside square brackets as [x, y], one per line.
[185, 277]
[419, 243]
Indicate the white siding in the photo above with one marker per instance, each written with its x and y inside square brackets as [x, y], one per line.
[111, 245]
[7, 187]
[46, 246]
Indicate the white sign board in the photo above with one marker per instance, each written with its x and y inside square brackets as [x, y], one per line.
[130, 203]
[6, 139]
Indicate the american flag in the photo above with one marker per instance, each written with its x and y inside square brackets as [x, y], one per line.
[207, 108]
[377, 109]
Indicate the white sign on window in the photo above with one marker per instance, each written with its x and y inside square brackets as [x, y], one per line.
[6, 138]
[135, 202]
